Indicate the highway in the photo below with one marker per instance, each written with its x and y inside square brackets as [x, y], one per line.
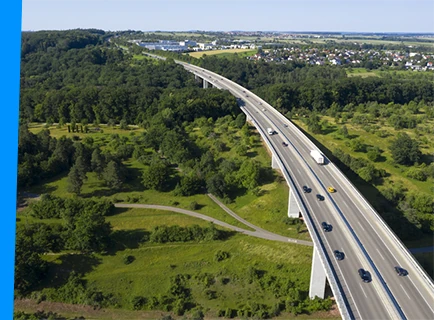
[357, 230]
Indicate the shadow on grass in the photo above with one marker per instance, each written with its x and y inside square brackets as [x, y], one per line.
[387, 210]
[251, 154]
[127, 239]
[58, 274]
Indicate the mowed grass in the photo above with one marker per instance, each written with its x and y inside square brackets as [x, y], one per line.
[149, 275]
[361, 72]
[199, 54]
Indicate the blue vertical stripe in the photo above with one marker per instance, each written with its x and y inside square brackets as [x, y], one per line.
[10, 47]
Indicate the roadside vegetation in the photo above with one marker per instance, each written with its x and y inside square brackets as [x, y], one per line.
[102, 134]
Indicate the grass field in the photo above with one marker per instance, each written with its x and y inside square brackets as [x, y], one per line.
[154, 264]
[225, 52]
[361, 72]
[71, 311]
[265, 211]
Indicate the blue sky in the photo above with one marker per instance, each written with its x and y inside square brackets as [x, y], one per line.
[280, 15]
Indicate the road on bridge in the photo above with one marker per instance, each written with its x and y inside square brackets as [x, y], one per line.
[357, 231]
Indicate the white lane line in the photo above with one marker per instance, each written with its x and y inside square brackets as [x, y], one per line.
[298, 171]
[345, 204]
[363, 291]
[380, 254]
[361, 225]
[405, 292]
[429, 306]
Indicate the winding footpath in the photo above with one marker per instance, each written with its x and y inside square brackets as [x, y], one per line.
[258, 233]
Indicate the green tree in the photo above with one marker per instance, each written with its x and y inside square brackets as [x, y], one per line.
[155, 175]
[29, 266]
[75, 180]
[98, 162]
[405, 150]
[88, 231]
[113, 175]
[374, 154]
[249, 174]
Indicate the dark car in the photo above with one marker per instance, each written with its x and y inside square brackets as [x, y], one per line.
[319, 197]
[284, 144]
[365, 275]
[401, 272]
[326, 227]
[339, 255]
[306, 189]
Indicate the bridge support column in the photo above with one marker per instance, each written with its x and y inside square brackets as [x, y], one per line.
[274, 163]
[293, 209]
[205, 84]
[317, 277]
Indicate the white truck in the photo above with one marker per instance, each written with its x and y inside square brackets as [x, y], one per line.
[270, 131]
[317, 156]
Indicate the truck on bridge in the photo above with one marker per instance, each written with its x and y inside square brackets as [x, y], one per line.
[270, 131]
[317, 156]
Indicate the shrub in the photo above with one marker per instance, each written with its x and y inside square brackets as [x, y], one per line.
[138, 302]
[127, 259]
[194, 205]
[221, 255]
[416, 173]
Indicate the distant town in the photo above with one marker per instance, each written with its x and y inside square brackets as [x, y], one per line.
[356, 50]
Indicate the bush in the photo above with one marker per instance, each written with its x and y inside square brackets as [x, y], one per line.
[416, 173]
[138, 302]
[194, 205]
[221, 255]
[127, 259]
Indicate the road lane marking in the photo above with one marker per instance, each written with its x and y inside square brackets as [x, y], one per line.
[361, 225]
[421, 295]
[345, 204]
[405, 291]
[363, 290]
[380, 254]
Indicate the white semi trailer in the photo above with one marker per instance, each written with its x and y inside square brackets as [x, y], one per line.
[317, 156]
[270, 131]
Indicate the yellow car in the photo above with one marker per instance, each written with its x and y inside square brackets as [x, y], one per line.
[331, 189]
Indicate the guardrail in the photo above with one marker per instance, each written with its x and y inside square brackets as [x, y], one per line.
[337, 292]
[386, 227]
[410, 257]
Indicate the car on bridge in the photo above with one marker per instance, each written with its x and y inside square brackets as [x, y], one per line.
[339, 255]
[331, 189]
[401, 272]
[306, 189]
[326, 227]
[284, 144]
[365, 275]
[320, 197]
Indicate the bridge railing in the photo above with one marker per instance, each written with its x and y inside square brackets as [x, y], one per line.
[334, 284]
[376, 215]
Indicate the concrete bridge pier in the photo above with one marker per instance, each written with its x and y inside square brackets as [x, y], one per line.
[274, 162]
[206, 84]
[317, 277]
[293, 209]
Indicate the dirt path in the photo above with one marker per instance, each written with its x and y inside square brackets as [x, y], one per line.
[258, 233]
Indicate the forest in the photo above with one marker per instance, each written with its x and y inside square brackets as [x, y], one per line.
[193, 141]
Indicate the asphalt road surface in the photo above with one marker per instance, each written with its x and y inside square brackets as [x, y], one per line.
[356, 230]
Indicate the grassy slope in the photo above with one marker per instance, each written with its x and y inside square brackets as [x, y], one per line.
[225, 52]
[149, 274]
